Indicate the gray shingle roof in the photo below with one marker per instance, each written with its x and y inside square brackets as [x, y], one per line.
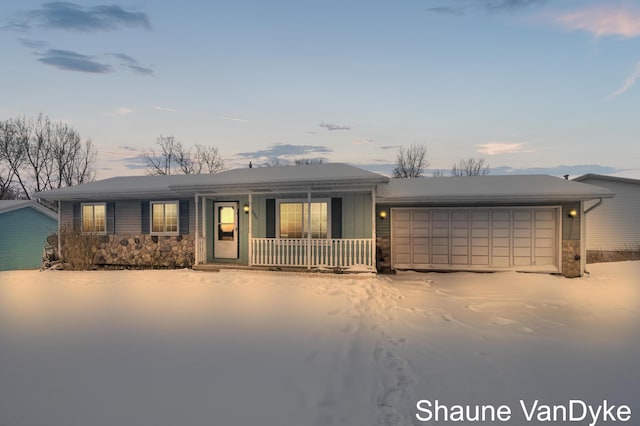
[241, 180]
[589, 176]
[479, 189]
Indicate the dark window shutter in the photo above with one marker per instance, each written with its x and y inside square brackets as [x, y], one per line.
[271, 218]
[145, 218]
[111, 218]
[77, 217]
[183, 209]
[336, 218]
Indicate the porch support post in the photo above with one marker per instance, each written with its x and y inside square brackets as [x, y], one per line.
[583, 239]
[60, 229]
[308, 229]
[204, 229]
[197, 240]
[372, 260]
[250, 237]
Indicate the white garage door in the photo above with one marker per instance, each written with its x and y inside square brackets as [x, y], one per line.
[475, 238]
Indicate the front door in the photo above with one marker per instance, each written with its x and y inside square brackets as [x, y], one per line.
[225, 236]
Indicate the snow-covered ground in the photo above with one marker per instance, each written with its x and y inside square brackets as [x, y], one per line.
[257, 348]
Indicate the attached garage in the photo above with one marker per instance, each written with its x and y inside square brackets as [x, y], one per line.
[530, 223]
[523, 238]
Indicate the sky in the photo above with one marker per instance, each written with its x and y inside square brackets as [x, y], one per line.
[531, 86]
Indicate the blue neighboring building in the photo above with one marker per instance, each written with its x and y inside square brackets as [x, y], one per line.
[24, 227]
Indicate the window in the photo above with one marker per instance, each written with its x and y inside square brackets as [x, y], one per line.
[93, 218]
[294, 219]
[164, 217]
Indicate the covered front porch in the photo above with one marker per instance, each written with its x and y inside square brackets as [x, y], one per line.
[315, 229]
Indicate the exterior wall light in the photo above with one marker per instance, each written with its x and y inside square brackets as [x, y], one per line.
[573, 213]
[383, 214]
[246, 208]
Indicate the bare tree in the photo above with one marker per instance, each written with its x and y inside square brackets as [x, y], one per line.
[8, 160]
[208, 159]
[276, 162]
[471, 167]
[172, 157]
[161, 162]
[411, 162]
[36, 155]
[308, 161]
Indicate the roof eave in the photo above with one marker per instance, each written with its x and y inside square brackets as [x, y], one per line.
[513, 199]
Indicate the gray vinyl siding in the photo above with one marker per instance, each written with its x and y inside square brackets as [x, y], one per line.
[128, 220]
[23, 236]
[127, 212]
[615, 224]
[66, 213]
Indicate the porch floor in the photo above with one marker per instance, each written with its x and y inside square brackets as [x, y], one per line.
[217, 267]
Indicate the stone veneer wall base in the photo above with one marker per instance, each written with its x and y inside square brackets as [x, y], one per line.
[151, 251]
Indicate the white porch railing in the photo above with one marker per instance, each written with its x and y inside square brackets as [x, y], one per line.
[332, 253]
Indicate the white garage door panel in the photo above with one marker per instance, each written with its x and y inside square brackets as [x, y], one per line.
[510, 238]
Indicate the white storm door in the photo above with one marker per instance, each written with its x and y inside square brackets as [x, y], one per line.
[225, 234]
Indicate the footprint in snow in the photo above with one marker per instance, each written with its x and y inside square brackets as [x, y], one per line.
[502, 321]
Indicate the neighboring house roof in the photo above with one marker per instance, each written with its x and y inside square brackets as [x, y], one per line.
[479, 189]
[10, 205]
[607, 178]
[263, 179]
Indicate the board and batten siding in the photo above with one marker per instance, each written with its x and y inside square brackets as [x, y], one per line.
[615, 224]
[23, 237]
[128, 219]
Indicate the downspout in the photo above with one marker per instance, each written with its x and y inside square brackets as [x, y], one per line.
[583, 253]
[593, 206]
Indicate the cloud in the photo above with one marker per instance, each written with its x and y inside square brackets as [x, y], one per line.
[164, 109]
[386, 168]
[72, 61]
[331, 126]
[238, 120]
[71, 16]
[603, 21]
[132, 64]
[572, 171]
[390, 147]
[628, 83]
[33, 44]
[462, 7]
[448, 10]
[286, 150]
[495, 148]
[13, 25]
[119, 111]
[137, 162]
[361, 142]
[509, 5]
